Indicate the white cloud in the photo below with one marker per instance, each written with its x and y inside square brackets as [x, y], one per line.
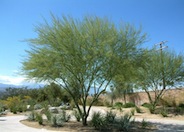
[20, 81]
[15, 80]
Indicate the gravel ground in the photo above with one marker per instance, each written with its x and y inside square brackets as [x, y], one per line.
[12, 123]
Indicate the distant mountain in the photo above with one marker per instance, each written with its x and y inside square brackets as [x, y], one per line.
[4, 86]
[31, 85]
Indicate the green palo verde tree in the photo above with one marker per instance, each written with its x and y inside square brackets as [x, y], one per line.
[126, 74]
[158, 72]
[79, 55]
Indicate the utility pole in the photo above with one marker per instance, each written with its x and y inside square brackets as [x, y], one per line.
[162, 61]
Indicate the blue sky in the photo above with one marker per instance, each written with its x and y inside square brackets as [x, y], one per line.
[160, 19]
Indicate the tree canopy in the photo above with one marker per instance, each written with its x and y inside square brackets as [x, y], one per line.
[160, 70]
[80, 55]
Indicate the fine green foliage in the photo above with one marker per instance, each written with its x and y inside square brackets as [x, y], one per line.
[32, 116]
[129, 105]
[38, 106]
[147, 105]
[159, 70]
[110, 117]
[77, 115]
[138, 109]
[118, 106]
[64, 116]
[47, 112]
[80, 55]
[39, 118]
[144, 124]
[56, 121]
[125, 122]
[164, 112]
[98, 120]
[109, 122]
[181, 105]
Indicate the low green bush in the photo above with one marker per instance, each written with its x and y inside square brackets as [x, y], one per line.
[64, 116]
[181, 105]
[56, 121]
[179, 110]
[13, 110]
[48, 114]
[109, 122]
[144, 124]
[39, 118]
[138, 109]
[32, 116]
[129, 105]
[98, 121]
[77, 115]
[164, 112]
[37, 106]
[110, 117]
[124, 124]
[147, 105]
[118, 106]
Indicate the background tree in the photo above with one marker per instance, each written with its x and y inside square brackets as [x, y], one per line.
[158, 72]
[79, 55]
[125, 78]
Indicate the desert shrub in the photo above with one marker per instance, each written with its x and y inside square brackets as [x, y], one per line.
[97, 120]
[118, 105]
[110, 117]
[150, 107]
[164, 112]
[179, 110]
[32, 116]
[77, 115]
[147, 105]
[56, 121]
[129, 105]
[181, 105]
[2, 107]
[64, 116]
[125, 123]
[138, 109]
[13, 110]
[152, 110]
[21, 108]
[72, 104]
[37, 106]
[48, 114]
[39, 118]
[144, 124]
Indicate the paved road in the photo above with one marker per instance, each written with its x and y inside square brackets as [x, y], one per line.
[166, 125]
[12, 124]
